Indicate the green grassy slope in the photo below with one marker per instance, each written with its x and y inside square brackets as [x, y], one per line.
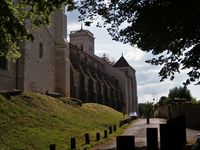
[33, 121]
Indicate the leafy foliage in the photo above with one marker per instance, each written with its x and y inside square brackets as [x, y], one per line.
[146, 109]
[169, 29]
[180, 93]
[14, 15]
[195, 101]
[163, 101]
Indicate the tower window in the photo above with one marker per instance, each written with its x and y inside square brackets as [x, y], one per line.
[89, 48]
[81, 47]
[3, 64]
[40, 50]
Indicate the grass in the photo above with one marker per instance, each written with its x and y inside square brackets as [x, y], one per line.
[33, 121]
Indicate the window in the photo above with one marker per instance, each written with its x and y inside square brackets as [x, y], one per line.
[90, 49]
[3, 64]
[81, 47]
[40, 50]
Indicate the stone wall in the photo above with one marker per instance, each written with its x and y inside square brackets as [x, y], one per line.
[39, 63]
[91, 81]
[192, 116]
[35, 70]
[8, 77]
[191, 112]
[94, 80]
[162, 111]
[44, 65]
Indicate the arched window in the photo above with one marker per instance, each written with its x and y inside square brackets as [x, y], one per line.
[40, 50]
[81, 47]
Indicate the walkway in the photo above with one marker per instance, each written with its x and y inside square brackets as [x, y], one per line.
[138, 129]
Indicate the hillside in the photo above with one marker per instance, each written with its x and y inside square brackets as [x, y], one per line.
[33, 121]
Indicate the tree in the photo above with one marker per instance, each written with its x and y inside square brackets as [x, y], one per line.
[169, 29]
[180, 93]
[146, 109]
[163, 101]
[13, 16]
[195, 101]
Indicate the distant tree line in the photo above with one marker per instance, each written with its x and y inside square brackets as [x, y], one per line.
[179, 94]
[146, 109]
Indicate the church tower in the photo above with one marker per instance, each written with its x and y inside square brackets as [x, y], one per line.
[129, 85]
[83, 39]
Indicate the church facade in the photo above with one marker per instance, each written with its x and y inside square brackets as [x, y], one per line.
[51, 63]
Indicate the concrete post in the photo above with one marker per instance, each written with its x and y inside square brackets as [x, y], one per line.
[125, 143]
[110, 129]
[147, 120]
[105, 133]
[87, 138]
[164, 137]
[52, 146]
[73, 143]
[152, 139]
[115, 128]
[177, 130]
[97, 136]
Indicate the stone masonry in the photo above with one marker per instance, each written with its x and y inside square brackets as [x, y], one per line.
[51, 63]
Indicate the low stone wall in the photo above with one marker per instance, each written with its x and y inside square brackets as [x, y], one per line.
[190, 111]
[193, 116]
[162, 111]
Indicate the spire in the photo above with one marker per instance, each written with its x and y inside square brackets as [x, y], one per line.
[122, 54]
[81, 26]
[121, 62]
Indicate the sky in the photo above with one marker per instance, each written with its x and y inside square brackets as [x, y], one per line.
[149, 86]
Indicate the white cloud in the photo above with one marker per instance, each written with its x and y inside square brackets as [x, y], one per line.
[134, 54]
[74, 26]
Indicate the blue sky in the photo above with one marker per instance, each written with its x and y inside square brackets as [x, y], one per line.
[148, 80]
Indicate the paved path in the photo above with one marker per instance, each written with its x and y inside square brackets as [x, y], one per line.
[138, 129]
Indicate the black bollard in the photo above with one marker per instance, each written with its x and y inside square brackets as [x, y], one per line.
[148, 120]
[164, 137]
[152, 139]
[177, 132]
[97, 136]
[125, 143]
[87, 138]
[110, 129]
[105, 133]
[114, 128]
[52, 146]
[73, 143]
[120, 123]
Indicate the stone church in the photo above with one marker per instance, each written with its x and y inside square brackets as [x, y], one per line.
[52, 63]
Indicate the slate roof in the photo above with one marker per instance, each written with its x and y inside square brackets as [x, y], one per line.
[121, 63]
